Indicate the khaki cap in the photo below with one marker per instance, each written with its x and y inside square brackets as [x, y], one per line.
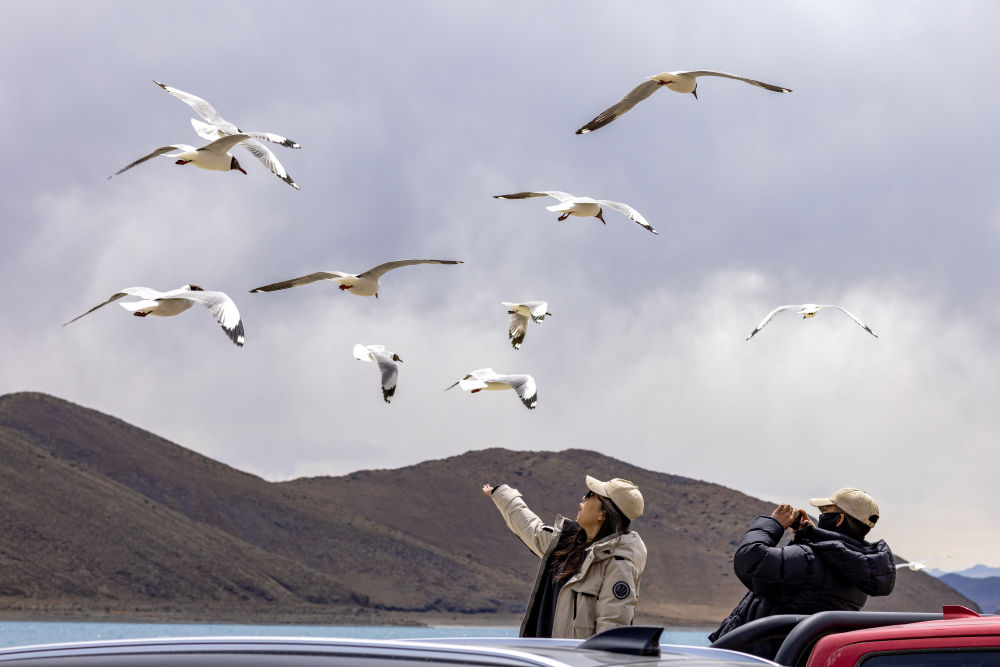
[622, 493]
[854, 502]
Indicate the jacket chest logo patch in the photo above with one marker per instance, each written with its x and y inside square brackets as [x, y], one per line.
[621, 590]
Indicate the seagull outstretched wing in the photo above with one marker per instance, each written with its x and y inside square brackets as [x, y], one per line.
[632, 97]
[301, 280]
[223, 309]
[380, 270]
[628, 212]
[726, 75]
[769, 317]
[860, 323]
[141, 292]
[162, 150]
[557, 194]
[219, 125]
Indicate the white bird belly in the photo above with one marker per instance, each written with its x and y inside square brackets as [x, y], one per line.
[582, 209]
[207, 160]
[161, 308]
[496, 386]
[676, 82]
[360, 286]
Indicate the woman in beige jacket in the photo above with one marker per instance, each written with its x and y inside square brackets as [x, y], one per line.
[588, 580]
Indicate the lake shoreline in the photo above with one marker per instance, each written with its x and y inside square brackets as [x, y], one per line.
[33, 633]
[361, 618]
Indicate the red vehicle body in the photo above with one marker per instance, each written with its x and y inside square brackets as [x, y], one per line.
[956, 637]
[961, 637]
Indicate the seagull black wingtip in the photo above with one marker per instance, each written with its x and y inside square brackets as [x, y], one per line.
[236, 334]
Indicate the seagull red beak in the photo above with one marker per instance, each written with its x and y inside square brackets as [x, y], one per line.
[241, 169]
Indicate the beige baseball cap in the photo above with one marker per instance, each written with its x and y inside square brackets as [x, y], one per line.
[622, 493]
[854, 502]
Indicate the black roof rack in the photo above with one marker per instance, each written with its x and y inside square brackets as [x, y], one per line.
[769, 627]
[630, 639]
[802, 631]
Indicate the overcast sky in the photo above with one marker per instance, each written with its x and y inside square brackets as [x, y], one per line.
[871, 186]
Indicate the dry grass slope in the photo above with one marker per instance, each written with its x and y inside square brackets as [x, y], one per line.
[101, 519]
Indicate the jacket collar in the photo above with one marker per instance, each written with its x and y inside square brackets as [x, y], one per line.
[813, 534]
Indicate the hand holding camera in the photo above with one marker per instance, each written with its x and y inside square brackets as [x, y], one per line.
[789, 517]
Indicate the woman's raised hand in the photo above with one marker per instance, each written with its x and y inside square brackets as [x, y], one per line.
[487, 489]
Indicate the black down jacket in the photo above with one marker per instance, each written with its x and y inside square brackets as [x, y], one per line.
[820, 570]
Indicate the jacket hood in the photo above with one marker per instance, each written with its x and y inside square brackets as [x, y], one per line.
[625, 545]
[869, 566]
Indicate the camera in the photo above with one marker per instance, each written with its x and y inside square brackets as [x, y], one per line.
[797, 523]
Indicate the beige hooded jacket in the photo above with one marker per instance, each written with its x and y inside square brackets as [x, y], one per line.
[603, 594]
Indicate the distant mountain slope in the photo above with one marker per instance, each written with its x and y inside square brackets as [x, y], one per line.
[332, 558]
[102, 518]
[984, 590]
[974, 572]
[74, 538]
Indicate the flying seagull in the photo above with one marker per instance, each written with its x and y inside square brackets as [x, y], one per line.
[679, 82]
[584, 207]
[386, 364]
[175, 302]
[213, 157]
[362, 284]
[519, 314]
[217, 127]
[807, 310]
[490, 380]
[918, 565]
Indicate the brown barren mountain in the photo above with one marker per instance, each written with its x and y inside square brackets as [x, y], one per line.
[100, 519]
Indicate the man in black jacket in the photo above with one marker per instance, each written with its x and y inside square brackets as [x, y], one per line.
[826, 566]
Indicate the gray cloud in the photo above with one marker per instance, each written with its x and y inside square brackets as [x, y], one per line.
[869, 186]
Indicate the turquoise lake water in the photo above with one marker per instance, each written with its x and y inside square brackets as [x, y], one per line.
[22, 633]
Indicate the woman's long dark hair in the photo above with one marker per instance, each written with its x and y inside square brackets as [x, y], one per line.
[567, 560]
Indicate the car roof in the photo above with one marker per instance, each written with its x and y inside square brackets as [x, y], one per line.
[505, 651]
[568, 651]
